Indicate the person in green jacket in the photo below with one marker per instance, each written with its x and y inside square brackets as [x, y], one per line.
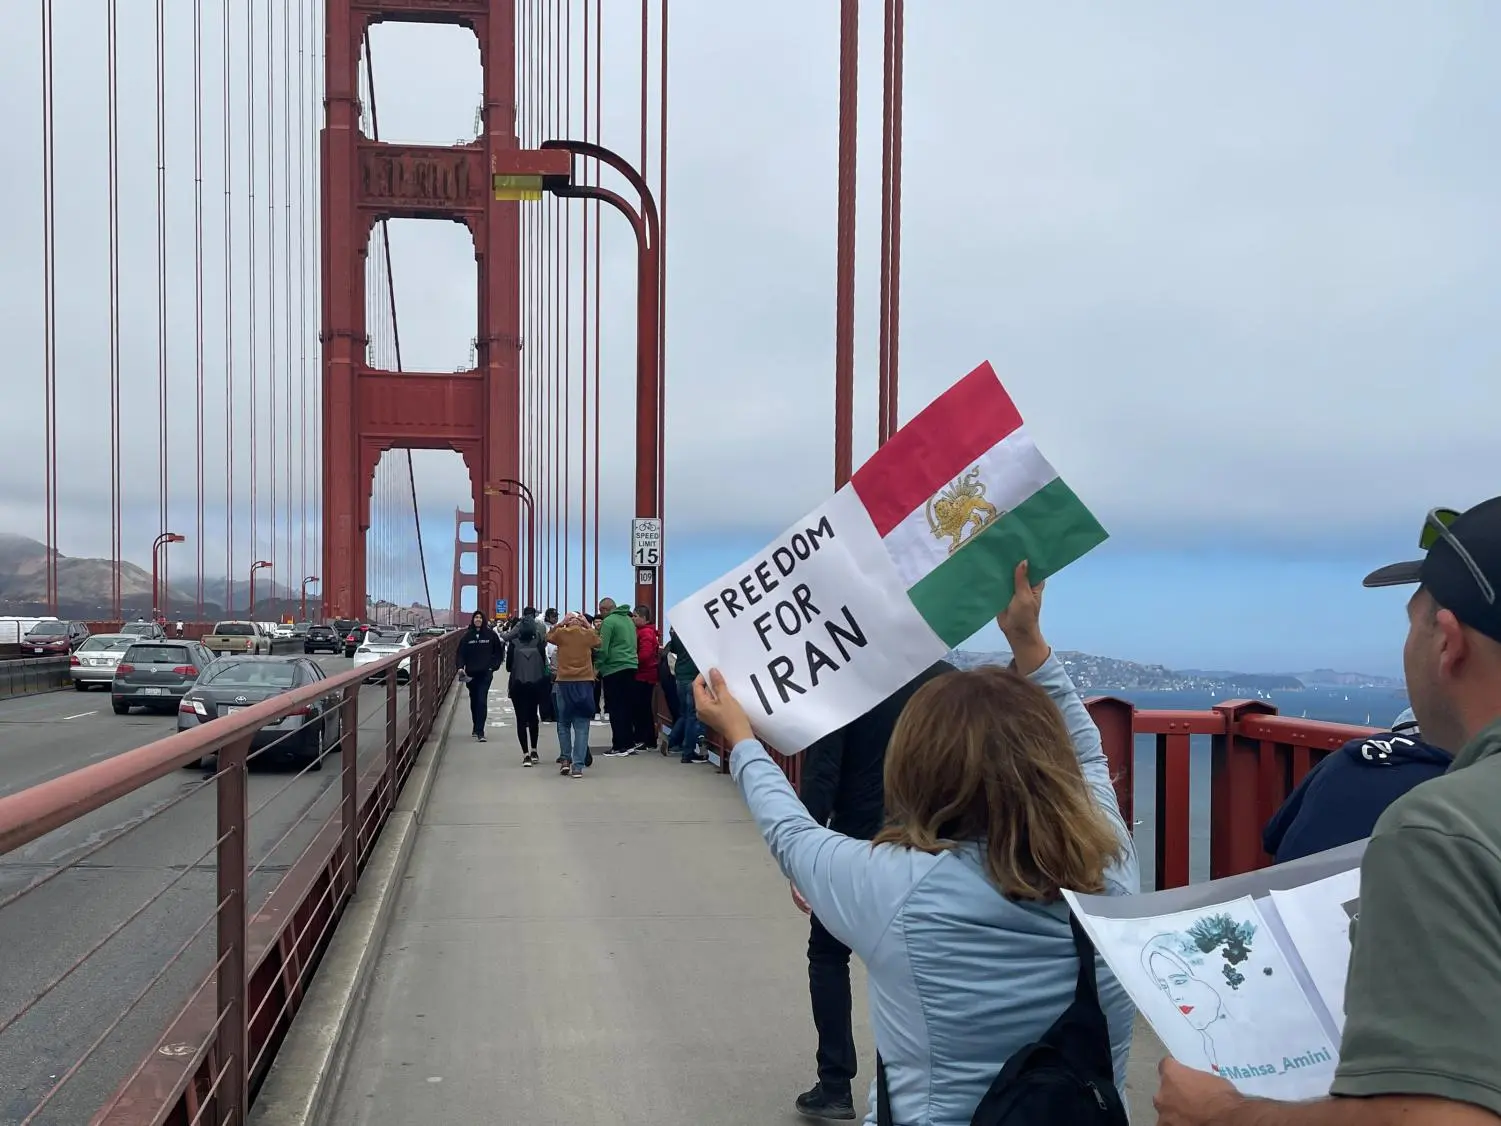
[615, 659]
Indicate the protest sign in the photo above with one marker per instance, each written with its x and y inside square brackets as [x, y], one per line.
[905, 562]
[1244, 976]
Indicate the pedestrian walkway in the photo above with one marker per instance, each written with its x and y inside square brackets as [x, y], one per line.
[618, 950]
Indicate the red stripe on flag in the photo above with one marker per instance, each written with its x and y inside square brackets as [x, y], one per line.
[938, 445]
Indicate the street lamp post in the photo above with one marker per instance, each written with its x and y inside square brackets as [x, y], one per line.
[158, 602]
[649, 376]
[258, 565]
[500, 584]
[510, 487]
[309, 579]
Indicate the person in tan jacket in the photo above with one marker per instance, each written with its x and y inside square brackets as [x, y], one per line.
[573, 690]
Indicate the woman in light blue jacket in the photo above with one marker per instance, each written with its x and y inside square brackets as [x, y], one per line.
[997, 795]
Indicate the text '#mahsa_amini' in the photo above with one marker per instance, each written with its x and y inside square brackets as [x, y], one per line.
[807, 639]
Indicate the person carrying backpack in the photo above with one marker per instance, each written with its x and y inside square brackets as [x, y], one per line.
[481, 652]
[987, 1001]
[526, 660]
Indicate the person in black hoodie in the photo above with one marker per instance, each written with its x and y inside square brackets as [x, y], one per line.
[843, 787]
[480, 653]
[1340, 799]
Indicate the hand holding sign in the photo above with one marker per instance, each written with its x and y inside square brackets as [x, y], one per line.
[718, 708]
[1186, 1097]
[1021, 622]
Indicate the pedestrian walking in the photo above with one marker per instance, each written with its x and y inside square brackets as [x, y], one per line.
[527, 681]
[480, 653]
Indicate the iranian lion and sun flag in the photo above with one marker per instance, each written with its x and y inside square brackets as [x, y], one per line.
[902, 564]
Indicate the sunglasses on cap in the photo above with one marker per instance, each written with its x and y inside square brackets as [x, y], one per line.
[1435, 528]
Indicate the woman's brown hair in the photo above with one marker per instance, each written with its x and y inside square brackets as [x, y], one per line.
[984, 755]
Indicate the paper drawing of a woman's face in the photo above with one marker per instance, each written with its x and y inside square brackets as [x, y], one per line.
[1195, 999]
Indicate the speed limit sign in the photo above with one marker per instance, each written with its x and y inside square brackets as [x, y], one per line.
[646, 541]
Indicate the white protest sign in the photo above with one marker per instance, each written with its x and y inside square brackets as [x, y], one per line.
[812, 631]
[1317, 918]
[1235, 975]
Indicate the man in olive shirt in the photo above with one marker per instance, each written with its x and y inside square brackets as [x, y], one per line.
[1422, 1038]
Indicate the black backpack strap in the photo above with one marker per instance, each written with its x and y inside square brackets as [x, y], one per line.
[1087, 989]
[883, 1096]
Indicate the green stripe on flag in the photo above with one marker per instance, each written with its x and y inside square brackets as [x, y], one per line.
[1050, 529]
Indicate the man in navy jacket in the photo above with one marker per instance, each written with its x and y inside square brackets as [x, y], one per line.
[1340, 799]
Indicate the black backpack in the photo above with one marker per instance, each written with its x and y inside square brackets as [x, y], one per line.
[1066, 1077]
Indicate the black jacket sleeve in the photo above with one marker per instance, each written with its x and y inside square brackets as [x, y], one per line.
[1276, 829]
[822, 763]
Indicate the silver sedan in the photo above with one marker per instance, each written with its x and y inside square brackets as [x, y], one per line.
[94, 662]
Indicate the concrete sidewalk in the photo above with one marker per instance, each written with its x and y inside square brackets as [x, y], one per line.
[617, 950]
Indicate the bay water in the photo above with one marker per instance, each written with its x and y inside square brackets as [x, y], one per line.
[1375, 707]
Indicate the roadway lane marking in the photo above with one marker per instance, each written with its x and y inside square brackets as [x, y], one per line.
[80, 715]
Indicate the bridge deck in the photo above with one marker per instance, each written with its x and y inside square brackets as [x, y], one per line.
[615, 950]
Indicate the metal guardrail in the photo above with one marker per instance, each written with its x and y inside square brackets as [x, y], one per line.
[207, 1061]
[1253, 758]
[26, 676]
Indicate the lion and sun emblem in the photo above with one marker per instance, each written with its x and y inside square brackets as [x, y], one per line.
[959, 512]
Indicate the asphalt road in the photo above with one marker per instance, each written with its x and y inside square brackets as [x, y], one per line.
[49, 929]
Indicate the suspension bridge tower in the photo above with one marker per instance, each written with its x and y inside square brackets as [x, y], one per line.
[367, 410]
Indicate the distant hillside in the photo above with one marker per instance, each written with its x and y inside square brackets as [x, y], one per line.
[83, 586]
[1093, 673]
[1328, 678]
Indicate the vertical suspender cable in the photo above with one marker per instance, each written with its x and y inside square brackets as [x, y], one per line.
[302, 143]
[599, 85]
[272, 365]
[584, 345]
[568, 310]
[49, 310]
[198, 375]
[116, 538]
[844, 298]
[549, 470]
[662, 312]
[255, 539]
[883, 332]
[286, 228]
[891, 223]
[560, 298]
[897, 50]
[229, 331]
[161, 279]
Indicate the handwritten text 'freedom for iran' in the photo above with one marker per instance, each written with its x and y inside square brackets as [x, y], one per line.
[793, 622]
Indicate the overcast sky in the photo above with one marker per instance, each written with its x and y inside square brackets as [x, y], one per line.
[1237, 265]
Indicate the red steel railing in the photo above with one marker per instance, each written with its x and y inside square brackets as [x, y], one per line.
[1254, 759]
[271, 915]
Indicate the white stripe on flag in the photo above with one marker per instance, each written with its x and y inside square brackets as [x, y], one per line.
[1011, 471]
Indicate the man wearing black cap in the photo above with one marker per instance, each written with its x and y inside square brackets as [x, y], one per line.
[1422, 1037]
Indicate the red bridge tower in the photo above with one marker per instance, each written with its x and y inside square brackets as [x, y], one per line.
[365, 410]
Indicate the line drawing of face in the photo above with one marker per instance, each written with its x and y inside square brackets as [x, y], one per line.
[1195, 998]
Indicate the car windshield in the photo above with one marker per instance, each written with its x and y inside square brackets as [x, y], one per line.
[234, 629]
[251, 674]
[48, 629]
[139, 627]
[157, 655]
[95, 644]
